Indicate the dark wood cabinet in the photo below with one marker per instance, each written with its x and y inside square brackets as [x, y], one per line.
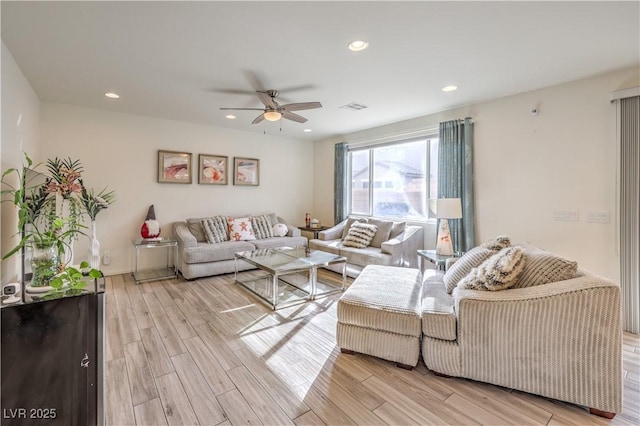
[52, 361]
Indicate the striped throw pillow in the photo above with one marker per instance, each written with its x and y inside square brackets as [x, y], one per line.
[543, 267]
[215, 229]
[499, 272]
[262, 227]
[360, 235]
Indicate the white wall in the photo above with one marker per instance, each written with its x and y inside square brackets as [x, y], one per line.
[527, 167]
[120, 151]
[20, 115]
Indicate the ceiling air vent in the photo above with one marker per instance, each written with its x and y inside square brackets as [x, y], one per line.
[353, 106]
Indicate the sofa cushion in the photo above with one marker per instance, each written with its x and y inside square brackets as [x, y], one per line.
[215, 229]
[438, 319]
[499, 272]
[225, 250]
[365, 256]
[240, 229]
[461, 268]
[195, 227]
[330, 246]
[262, 227]
[382, 233]
[351, 221]
[360, 235]
[542, 267]
[280, 242]
[397, 228]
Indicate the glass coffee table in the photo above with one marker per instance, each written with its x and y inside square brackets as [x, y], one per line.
[291, 274]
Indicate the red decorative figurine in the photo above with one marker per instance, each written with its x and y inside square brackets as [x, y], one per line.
[150, 227]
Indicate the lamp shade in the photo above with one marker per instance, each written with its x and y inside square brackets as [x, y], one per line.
[449, 208]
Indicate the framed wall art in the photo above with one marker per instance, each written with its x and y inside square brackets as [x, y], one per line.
[246, 171]
[213, 169]
[174, 167]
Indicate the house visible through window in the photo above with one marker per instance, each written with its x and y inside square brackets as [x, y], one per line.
[394, 180]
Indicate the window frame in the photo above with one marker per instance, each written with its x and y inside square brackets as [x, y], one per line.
[428, 138]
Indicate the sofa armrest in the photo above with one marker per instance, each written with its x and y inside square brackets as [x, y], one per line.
[333, 233]
[404, 248]
[183, 235]
[567, 332]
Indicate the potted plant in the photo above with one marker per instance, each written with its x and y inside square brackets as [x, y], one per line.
[50, 217]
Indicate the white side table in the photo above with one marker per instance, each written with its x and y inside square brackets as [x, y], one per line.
[152, 274]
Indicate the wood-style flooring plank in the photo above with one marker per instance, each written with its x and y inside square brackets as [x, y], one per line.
[204, 403]
[189, 312]
[209, 366]
[139, 307]
[238, 410]
[157, 355]
[141, 381]
[113, 348]
[258, 398]
[150, 413]
[119, 407]
[170, 337]
[175, 402]
[183, 328]
[218, 348]
[128, 329]
[309, 419]
[393, 416]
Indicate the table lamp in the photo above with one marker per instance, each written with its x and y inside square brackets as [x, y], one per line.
[446, 208]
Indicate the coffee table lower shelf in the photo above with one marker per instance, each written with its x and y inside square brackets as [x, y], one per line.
[291, 290]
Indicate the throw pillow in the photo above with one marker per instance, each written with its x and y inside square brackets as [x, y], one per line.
[382, 234]
[195, 226]
[396, 229]
[543, 267]
[240, 229]
[280, 230]
[498, 243]
[349, 223]
[499, 272]
[463, 266]
[215, 229]
[360, 235]
[262, 227]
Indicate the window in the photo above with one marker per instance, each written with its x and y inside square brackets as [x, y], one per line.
[403, 177]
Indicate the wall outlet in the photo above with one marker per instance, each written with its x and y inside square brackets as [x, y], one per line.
[599, 217]
[106, 258]
[566, 215]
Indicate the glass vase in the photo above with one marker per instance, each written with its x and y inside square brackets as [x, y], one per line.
[94, 247]
[44, 265]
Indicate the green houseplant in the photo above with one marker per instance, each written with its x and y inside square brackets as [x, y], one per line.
[50, 217]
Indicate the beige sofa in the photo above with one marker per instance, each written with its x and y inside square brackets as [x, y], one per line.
[197, 258]
[395, 244]
[561, 340]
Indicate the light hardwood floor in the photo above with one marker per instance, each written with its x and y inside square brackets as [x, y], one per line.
[206, 352]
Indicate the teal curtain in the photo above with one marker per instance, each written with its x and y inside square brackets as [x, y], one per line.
[455, 178]
[340, 182]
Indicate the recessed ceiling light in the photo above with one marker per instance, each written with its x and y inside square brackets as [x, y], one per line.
[307, 130]
[449, 88]
[230, 116]
[112, 95]
[358, 45]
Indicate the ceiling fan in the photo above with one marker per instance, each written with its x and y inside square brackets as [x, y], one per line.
[274, 112]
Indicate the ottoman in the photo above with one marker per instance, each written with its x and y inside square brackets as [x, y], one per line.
[379, 315]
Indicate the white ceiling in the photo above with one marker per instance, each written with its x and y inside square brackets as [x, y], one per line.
[172, 59]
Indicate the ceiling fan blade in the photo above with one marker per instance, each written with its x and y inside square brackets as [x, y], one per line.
[258, 119]
[232, 91]
[293, 117]
[299, 106]
[254, 81]
[243, 109]
[267, 100]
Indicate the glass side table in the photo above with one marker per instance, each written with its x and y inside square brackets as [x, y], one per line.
[158, 273]
[439, 260]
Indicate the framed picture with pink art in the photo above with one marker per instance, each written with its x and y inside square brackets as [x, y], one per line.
[174, 167]
[246, 171]
[213, 169]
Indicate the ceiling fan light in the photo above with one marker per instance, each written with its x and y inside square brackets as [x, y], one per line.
[272, 116]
